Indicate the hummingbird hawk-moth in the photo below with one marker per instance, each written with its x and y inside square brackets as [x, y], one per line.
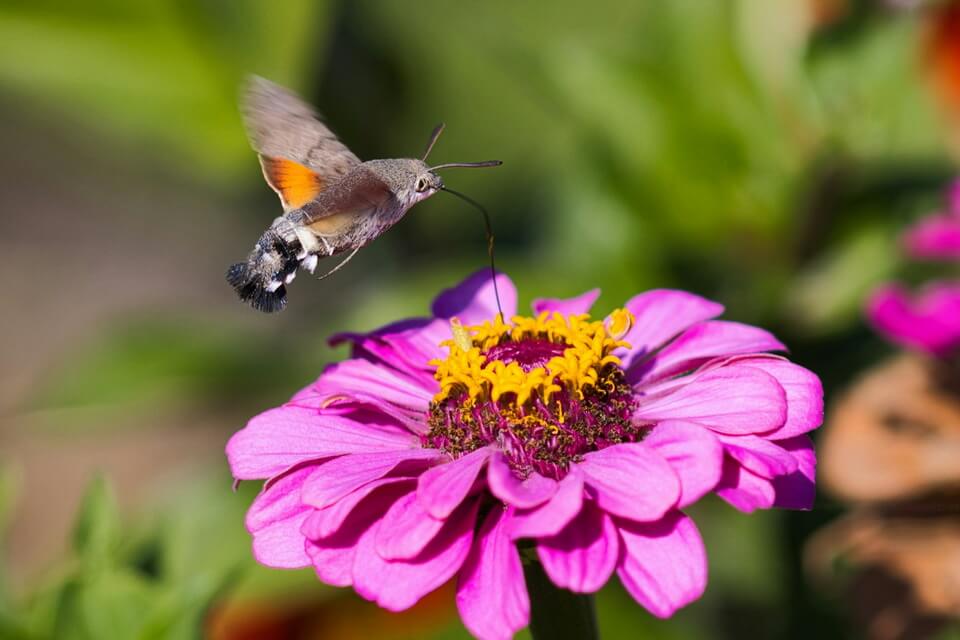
[333, 203]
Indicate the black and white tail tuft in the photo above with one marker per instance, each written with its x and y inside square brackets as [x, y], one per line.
[262, 279]
[250, 287]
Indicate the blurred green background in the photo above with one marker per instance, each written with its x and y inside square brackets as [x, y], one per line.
[763, 153]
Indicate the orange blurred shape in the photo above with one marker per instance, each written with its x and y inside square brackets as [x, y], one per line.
[942, 57]
[894, 435]
[824, 13]
[907, 583]
[342, 617]
[891, 446]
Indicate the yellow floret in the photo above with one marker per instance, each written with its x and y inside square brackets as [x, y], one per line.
[589, 348]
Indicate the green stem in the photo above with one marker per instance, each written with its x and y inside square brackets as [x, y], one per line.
[555, 613]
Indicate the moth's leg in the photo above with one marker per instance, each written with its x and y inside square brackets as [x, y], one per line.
[326, 245]
[339, 266]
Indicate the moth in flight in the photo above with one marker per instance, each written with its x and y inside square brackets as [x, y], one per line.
[333, 203]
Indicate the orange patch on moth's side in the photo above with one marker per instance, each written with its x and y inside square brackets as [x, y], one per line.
[294, 183]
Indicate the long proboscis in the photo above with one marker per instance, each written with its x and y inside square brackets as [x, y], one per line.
[469, 165]
[488, 227]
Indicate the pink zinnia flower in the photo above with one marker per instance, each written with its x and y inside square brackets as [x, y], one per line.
[937, 236]
[445, 441]
[928, 320]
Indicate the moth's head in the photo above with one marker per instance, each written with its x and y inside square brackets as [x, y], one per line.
[413, 181]
[426, 183]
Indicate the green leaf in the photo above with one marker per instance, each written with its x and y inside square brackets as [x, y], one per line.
[179, 612]
[828, 295]
[13, 629]
[97, 528]
[7, 495]
[109, 604]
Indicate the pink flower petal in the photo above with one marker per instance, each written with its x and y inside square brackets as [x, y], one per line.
[582, 557]
[337, 478]
[281, 438]
[274, 520]
[364, 408]
[522, 494]
[389, 352]
[280, 544]
[333, 564]
[473, 301]
[664, 564]
[702, 342]
[568, 307]
[397, 585]
[407, 529]
[631, 480]
[443, 487]
[407, 345]
[552, 516]
[735, 399]
[797, 490]
[804, 393]
[759, 455]
[394, 328]
[929, 320]
[491, 591]
[366, 378]
[333, 556]
[326, 522]
[935, 237]
[743, 489]
[660, 315]
[695, 454]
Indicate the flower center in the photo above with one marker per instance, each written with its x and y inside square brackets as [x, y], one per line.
[543, 390]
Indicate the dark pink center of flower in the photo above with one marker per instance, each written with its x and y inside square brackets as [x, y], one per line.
[529, 354]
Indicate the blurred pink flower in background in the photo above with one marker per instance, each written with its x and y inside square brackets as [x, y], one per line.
[890, 451]
[937, 236]
[437, 447]
[929, 319]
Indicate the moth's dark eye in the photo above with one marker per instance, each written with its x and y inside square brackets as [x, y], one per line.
[421, 184]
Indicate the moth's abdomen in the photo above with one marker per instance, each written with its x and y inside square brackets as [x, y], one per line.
[262, 279]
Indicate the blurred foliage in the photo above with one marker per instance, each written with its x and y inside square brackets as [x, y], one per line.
[736, 148]
[107, 590]
[154, 579]
[160, 75]
[150, 364]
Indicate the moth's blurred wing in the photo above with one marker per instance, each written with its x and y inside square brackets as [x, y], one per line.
[359, 196]
[300, 156]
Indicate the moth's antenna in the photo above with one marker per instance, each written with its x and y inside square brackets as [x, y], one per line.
[489, 229]
[485, 163]
[437, 130]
